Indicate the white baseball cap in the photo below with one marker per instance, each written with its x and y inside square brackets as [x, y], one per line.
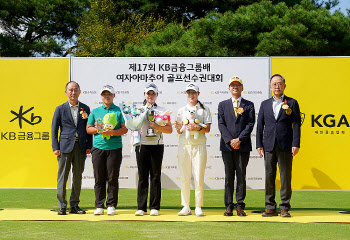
[192, 86]
[108, 88]
[151, 87]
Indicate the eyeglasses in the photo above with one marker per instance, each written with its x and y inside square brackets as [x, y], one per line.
[235, 85]
[277, 84]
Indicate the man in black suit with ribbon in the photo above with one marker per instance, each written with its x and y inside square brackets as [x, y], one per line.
[74, 143]
[278, 139]
[236, 118]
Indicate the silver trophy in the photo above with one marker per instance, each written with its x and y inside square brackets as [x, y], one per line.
[150, 117]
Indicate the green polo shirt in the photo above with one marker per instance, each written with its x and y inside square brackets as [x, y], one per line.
[114, 142]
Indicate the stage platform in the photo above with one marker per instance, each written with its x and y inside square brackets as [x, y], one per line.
[170, 215]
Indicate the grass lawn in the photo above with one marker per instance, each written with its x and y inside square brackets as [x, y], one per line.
[46, 199]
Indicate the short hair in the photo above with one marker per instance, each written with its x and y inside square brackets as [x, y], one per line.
[278, 75]
[72, 82]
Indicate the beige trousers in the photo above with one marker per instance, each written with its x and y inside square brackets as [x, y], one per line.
[192, 160]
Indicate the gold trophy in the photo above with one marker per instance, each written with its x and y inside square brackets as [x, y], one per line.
[150, 117]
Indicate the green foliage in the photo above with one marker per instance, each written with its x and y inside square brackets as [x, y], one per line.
[38, 27]
[102, 33]
[185, 11]
[258, 29]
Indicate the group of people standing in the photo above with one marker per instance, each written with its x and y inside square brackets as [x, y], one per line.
[277, 140]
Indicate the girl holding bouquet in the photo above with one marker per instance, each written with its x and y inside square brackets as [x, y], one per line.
[149, 156]
[192, 152]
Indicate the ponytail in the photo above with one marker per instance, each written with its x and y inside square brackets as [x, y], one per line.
[201, 104]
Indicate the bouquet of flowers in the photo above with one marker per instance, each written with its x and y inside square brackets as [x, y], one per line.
[133, 121]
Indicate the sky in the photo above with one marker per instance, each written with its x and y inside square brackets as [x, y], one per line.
[343, 5]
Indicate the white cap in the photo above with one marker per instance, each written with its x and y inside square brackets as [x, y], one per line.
[192, 86]
[151, 87]
[108, 88]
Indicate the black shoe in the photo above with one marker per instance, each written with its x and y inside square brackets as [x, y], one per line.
[76, 210]
[62, 211]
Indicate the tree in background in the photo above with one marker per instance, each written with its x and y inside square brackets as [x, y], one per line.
[259, 29]
[38, 27]
[106, 29]
[44, 27]
[184, 12]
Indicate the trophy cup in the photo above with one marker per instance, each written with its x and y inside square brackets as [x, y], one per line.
[150, 117]
[99, 125]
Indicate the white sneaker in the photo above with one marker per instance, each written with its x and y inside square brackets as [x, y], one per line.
[110, 211]
[154, 212]
[198, 211]
[139, 213]
[185, 211]
[99, 211]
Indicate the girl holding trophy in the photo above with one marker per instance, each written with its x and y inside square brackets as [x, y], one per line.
[193, 121]
[107, 150]
[149, 155]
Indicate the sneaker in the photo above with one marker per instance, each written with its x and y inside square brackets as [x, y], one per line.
[185, 211]
[110, 211]
[154, 212]
[198, 211]
[139, 213]
[99, 211]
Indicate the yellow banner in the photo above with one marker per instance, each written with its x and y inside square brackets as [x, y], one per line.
[321, 87]
[30, 91]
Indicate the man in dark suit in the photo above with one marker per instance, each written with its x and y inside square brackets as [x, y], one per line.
[236, 118]
[72, 146]
[278, 138]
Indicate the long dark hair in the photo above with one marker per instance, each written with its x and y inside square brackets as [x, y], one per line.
[145, 102]
[201, 104]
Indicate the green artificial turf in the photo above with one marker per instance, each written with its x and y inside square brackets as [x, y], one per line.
[46, 199]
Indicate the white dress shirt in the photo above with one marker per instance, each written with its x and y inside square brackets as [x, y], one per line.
[277, 105]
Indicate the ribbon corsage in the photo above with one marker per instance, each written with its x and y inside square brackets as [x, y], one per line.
[83, 113]
[286, 107]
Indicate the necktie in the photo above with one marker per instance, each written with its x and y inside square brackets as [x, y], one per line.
[235, 107]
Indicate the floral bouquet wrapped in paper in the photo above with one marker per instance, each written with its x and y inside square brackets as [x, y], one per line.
[133, 121]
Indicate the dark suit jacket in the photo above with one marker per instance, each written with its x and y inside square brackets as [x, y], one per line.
[62, 120]
[231, 127]
[286, 129]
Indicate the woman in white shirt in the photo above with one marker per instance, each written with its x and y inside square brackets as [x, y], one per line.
[149, 156]
[192, 152]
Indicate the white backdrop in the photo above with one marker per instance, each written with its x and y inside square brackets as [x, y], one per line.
[129, 75]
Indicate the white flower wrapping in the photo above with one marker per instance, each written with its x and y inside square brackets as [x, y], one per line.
[133, 118]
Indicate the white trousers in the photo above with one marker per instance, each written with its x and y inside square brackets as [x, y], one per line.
[192, 160]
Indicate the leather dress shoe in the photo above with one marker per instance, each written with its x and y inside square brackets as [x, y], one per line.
[62, 211]
[240, 212]
[285, 213]
[76, 210]
[270, 213]
[228, 212]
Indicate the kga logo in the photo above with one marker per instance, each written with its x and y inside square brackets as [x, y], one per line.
[328, 121]
[20, 117]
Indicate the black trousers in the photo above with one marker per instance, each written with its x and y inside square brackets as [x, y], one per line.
[149, 163]
[284, 160]
[106, 165]
[235, 167]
